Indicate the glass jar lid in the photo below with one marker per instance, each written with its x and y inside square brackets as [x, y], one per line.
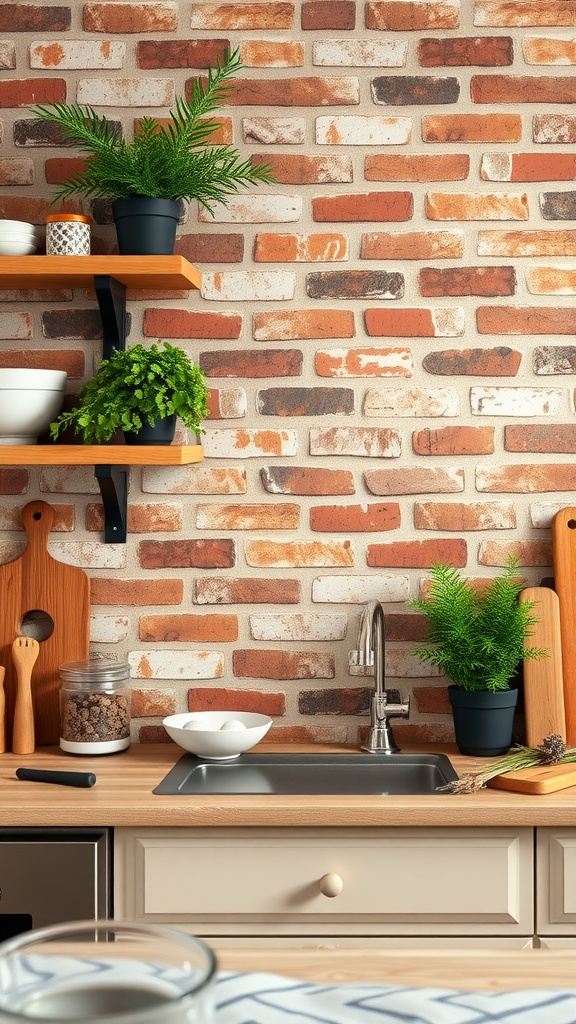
[97, 670]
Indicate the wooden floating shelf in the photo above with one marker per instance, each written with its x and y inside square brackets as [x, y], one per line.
[99, 455]
[161, 272]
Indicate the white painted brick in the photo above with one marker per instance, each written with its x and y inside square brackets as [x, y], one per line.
[496, 167]
[248, 285]
[228, 443]
[7, 56]
[176, 664]
[542, 513]
[15, 327]
[108, 629]
[539, 50]
[274, 131]
[369, 362]
[193, 480]
[373, 53]
[89, 554]
[126, 92]
[359, 589]
[68, 480]
[298, 627]
[363, 130]
[449, 322]
[398, 664]
[17, 171]
[294, 554]
[552, 280]
[232, 403]
[411, 402]
[361, 441]
[254, 209]
[497, 401]
[72, 54]
[11, 549]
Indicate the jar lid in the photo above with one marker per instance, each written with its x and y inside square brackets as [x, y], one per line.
[58, 217]
[97, 670]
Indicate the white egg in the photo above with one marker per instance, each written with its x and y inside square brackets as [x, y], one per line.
[232, 725]
[193, 724]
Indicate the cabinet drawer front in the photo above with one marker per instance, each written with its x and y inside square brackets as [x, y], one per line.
[397, 877]
[556, 881]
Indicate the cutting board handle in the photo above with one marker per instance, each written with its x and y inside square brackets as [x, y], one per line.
[38, 517]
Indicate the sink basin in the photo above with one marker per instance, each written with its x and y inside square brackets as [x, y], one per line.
[320, 774]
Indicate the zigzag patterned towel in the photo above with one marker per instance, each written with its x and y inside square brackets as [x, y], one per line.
[272, 999]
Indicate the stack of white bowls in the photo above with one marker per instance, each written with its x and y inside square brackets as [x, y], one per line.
[18, 238]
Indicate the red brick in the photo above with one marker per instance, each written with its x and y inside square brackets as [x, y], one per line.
[231, 516]
[292, 325]
[276, 15]
[14, 480]
[292, 248]
[345, 700]
[16, 171]
[264, 53]
[531, 552]
[376, 206]
[355, 518]
[485, 281]
[530, 167]
[522, 89]
[221, 698]
[151, 703]
[402, 626]
[328, 14]
[250, 363]
[541, 437]
[526, 479]
[186, 554]
[418, 554]
[180, 53]
[454, 441]
[355, 284]
[466, 51]
[70, 360]
[306, 554]
[188, 628]
[22, 17]
[154, 734]
[148, 518]
[472, 362]
[432, 700]
[410, 90]
[302, 480]
[472, 128]
[230, 590]
[108, 591]
[400, 323]
[81, 324]
[129, 17]
[270, 664]
[415, 480]
[210, 248]
[184, 323]
[405, 15]
[304, 91]
[306, 401]
[477, 206]
[524, 13]
[364, 362]
[416, 167]
[412, 245]
[525, 320]
[551, 128]
[58, 169]
[458, 516]
[302, 169]
[527, 243]
[25, 92]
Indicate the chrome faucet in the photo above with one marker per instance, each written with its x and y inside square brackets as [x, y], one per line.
[370, 650]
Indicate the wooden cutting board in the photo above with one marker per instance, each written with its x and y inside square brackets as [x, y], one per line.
[564, 556]
[543, 681]
[40, 595]
[544, 778]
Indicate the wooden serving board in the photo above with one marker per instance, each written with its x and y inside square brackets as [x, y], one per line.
[39, 594]
[545, 778]
[543, 681]
[564, 556]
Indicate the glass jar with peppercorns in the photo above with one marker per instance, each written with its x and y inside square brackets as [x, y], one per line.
[94, 706]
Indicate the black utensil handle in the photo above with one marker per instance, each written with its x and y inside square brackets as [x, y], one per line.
[81, 779]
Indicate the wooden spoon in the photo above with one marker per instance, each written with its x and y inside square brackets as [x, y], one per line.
[25, 651]
[2, 711]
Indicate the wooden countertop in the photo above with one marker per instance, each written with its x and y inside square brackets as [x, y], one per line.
[123, 796]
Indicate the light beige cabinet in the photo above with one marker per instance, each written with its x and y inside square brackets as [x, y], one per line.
[331, 886]
[556, 886]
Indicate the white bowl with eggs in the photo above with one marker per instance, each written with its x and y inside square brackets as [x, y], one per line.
[217, 735]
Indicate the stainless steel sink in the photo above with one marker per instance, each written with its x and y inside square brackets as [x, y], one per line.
[291, 774]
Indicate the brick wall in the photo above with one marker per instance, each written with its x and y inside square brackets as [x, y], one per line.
[387, 332]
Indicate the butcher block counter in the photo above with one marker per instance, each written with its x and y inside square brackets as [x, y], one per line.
[123, 796]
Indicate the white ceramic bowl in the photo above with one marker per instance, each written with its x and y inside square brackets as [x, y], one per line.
[22, 247]
[29, 400]
[210, 740]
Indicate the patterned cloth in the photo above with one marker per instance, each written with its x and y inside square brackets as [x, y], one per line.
[272, 999]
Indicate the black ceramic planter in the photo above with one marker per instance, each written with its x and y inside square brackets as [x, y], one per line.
[145, 226]
[483, 721]
[160, 432]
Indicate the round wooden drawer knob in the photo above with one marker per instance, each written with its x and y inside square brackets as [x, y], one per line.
[331, 884]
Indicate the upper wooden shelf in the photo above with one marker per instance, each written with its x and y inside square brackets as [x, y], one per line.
[161, 272]
[98, 455]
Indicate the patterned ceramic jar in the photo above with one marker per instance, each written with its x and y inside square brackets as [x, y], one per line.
[68, 234]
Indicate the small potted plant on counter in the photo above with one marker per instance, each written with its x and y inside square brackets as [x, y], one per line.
[166, 161]
[478, 637]
[140, 391]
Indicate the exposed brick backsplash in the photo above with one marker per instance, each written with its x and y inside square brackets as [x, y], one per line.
[387, 334]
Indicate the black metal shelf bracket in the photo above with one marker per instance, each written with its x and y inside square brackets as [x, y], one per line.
[113, 483]
[111, 296]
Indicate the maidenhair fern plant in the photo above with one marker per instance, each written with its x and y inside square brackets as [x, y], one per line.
[168, 160]
[477, 637]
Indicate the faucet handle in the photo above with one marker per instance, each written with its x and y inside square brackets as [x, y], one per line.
[398, 709]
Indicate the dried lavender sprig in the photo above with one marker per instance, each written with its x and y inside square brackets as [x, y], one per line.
[552, 750]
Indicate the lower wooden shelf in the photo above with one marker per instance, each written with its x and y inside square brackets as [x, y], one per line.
[98, 455]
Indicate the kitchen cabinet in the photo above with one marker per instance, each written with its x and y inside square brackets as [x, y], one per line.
[556, 885]
[110, 276]
[330, 886]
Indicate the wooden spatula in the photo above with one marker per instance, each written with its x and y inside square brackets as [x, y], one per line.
[25, 651]
[543, 681]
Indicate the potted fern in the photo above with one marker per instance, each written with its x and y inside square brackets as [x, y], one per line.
[166, 161]
[140, 392]
[478, 638]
